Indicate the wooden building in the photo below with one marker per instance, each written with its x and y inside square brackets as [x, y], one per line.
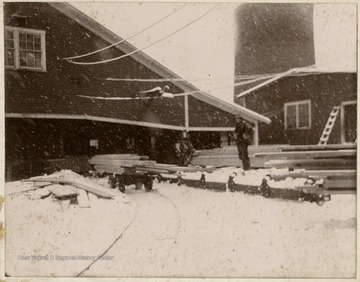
[47, 117]
[299, 107]
[275, 49]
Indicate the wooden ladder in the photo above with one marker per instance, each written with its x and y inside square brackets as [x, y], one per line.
[329, 125]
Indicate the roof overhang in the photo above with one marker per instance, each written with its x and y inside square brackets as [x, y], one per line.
[117, 121]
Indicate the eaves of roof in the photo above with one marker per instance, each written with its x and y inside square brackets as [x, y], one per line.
[152, 64]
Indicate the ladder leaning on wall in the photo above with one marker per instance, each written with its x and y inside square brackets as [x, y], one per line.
[329, 125]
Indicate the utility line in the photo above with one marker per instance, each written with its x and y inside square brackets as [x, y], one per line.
[170, 95]
[246, 80]
[121, 41]
[138, 50]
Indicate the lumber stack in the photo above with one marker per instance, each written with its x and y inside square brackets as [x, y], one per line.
[329, 169]
[135, 164]
[311, 157]
[228, 156]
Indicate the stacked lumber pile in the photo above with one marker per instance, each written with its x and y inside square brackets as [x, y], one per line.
[329, 169]
[228, 156]
[67, 188]
[311, 157]
[135, 164]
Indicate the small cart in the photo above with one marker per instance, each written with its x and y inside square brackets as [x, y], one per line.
[131, 176]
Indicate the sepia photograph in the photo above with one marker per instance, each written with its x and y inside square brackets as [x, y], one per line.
[179, 140]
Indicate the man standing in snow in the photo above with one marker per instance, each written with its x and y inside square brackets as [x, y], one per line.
[243, 134]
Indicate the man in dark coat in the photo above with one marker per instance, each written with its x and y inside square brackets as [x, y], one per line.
[186, 151]
[243, 134]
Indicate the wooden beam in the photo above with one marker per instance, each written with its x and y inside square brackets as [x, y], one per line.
[109, 169]
[316, 147]
[308, 154]
[120, 157]
[120, 163]
[315, 164]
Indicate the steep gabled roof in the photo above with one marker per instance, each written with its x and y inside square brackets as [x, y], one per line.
[152, 64]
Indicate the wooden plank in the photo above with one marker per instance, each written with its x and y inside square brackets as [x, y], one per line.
[62, 191]
[339, 183]
[109, 169]
[174, 168]
[308, 154]
[117, 157]
[317, 147]
[120, 163]
[232, 150]
[332, 173]
[152, 170]
[319, 163]
[83, 199]
[317, 174]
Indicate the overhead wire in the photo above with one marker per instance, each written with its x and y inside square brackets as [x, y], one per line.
[284, 74]
[123, 40]
[152, 44]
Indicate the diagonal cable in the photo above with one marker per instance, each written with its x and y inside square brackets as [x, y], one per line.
[121, 41]
[138, 50]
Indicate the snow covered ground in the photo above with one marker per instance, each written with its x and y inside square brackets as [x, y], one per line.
[178, 231]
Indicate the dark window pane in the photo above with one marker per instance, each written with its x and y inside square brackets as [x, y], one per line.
[304, 117]
[23, 58]
[37, 38]
[22, 45]
[9, 35]
[29, 37]
[291, 117]
[22, 36]
[10, 58]
[30, 58]
[37, 47]
[38, 60]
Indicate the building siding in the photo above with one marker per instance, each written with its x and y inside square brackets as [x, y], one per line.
[55, 91]
[323, 90]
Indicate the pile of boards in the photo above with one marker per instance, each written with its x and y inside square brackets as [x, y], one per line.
[135, 164]
[228, 156]
[68, 189]
[330, 169]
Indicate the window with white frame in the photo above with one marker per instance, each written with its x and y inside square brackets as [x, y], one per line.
[298, 115]
[25, 48]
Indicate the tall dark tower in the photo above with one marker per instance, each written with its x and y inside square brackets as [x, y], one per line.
[273, 38]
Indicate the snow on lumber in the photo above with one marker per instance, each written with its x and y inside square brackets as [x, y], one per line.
[95, 189]
[71, 178]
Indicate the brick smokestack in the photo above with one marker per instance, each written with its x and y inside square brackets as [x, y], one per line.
[273, 38]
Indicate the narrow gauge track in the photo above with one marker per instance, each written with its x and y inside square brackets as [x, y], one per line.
[141, 223]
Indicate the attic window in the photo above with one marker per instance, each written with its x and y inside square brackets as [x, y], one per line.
[25, 48]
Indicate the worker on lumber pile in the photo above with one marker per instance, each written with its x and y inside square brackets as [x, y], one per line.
[243, 134]
[185, 151]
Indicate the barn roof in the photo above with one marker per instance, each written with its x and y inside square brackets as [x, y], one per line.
[153, 65]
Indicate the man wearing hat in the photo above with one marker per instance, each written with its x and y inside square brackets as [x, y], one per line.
[243, 134]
